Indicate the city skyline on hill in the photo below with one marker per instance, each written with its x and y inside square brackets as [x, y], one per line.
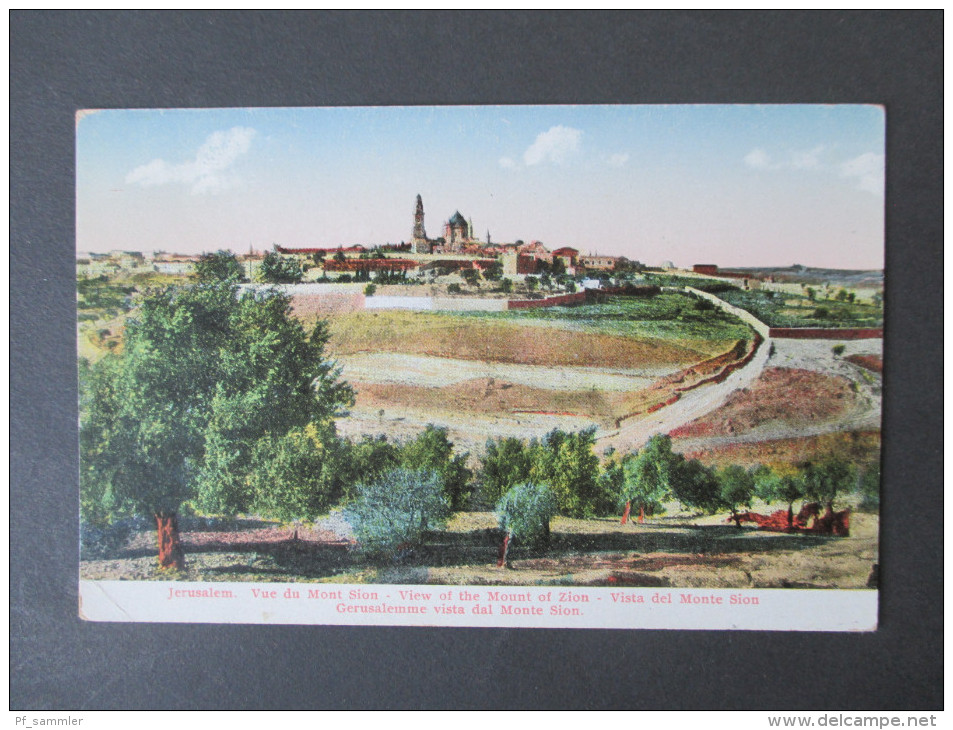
[732, 185]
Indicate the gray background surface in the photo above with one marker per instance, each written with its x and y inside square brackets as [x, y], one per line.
[60, 62]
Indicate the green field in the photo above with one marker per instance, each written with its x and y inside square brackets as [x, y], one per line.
[667, 316]
[777, 309]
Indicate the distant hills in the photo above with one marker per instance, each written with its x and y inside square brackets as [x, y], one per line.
[810, 275]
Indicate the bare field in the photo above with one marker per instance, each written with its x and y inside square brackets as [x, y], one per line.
[780, 395]
[491, 376]
[488, 397]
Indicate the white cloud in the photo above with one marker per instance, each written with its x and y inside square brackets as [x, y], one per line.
[554, 145]
[618, 159]
[758, 159]
[868, 169]
[207, 173]
[808, 160]
[796, 160]
[507, 163]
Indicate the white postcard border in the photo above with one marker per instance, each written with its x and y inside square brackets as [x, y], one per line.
[548, 607]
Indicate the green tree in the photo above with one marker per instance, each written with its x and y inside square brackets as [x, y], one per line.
[507, 463]
[297, 474]
[177, 414]
[869, 488]
[221, 266]
[470, 276]
[276, 269]
[611, 484]
[368, 460]
[695, 485]
[532, 283]
[506, 285]
[432, 451]
[525, 512]
[567, 462]
[825, 480]
[736, 488]
[649, 474]
[494, 272]
[392, 513]
[785, 487]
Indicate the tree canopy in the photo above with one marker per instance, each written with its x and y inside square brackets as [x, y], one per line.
[276, 269]
[432, 451]
[218, 267]
[650, 473]
[392, 512]
[525, 512]
[205, 383]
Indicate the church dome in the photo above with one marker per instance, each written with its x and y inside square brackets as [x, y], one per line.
[457, 220]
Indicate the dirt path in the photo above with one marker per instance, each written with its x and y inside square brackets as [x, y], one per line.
[693, 404]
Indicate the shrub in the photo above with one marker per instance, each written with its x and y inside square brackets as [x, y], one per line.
[838, 349]
[104, 540]
[392, 513]
[525, 512]
[369, 290]
[454, 289]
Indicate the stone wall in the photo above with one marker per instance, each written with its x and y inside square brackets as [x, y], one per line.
[818, 333]
[577, 298]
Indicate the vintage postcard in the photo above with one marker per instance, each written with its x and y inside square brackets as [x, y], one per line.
[522, 366]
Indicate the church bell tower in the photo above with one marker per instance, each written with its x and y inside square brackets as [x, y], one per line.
[419, 232]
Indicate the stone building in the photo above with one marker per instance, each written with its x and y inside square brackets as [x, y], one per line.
[456, 232]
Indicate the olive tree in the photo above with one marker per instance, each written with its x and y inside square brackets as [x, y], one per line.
[392, 513]
[525, 511]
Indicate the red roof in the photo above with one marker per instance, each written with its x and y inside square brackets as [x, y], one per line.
[565, 251]
[351, 249]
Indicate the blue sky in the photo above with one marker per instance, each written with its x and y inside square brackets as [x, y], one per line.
[731, 185]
